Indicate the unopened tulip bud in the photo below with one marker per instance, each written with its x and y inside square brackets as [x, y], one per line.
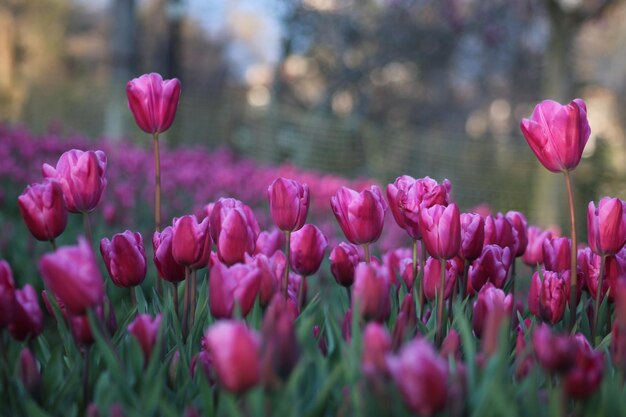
[534, 251]
[376, 346]
[585, 376]
[289, 203]
[272, 269]
[308, 246]
[230, 286]
[269, 242]
[321, 344]
[520, 226]
[472, 236]
[343, 261]
[191, 241]
[489, 299]
[451, 346]
[432, 278]
[125, 258]
[240, 228]
[523, 358]
[499, 231]
[168, 268]
[43, 209]
[441, 230]
[146, 329]
[279, 350]
[492, 266]
[406, 322]
[557, 254]
[548, 295]
[153, 101]
[28, 319]
[370, 291]
[81, 177]
[7, 294]
[29, 371]
[555, 353]
[361, 216]
[606, 226]
[235, 353]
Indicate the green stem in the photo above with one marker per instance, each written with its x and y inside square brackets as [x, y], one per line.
[301, 295]
[86, 378]
[596, 311]
[186, 303]
[513, 310]
[466, 266]
[175, 298]
[53, 243]
[287, 265]
[366, 250]
[573, 301]
[420, 279]
[192, 314]
[439, 336]
[157, 196]
[87, 226]
[133, 296]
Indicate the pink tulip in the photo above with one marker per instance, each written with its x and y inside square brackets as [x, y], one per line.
[432, 278]
[557, 134]
[168, 268]
[534, 251]
[472, 236]
[499, 231]
[81, 177]
[489, 298]
[145, 329]
[191, 241]
[492, 266]
[289, 203]
[72, 274]
[406, 195]
[272, 270]
[406, 322]
[586, 375]
[370, 291]
[548, 295]
[557, 254]
[29, 371]
[360, 215]
[43, 209]
[268, 242]
[308, 246]
[441, 230]
[28, 319]
[606, 226]
[555, 353]
[237, 285]
[520, 226]
[125, 258]
[421, 376]
[220, 210]
[7, 294]
[376, 346]
[589, 268]
[153, 101]
[235, 354]
[618, 334]
[234, 230]
[343, 261]
[280, 350]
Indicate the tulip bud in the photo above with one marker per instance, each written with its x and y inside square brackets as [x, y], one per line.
[272, 270]
[432, 278]
[557, 134]
[191, 241]
[492, 266]
[618, 335]
[321, 344]
[146, 330]
[202, 361]
[520, 226]
[534, 251]
[168, 268]
[230, 286]
[7, 294]
[472, 236]
[557, 254]
[28, 319]
[407, 195]
[499, 231]
[43, 209]
[555, 353]
[421, 376]
[279, 350]
[392, 260]
[172, 370]
[376, 346]
[489, 299]
[153, 101]
[235, 354]
[125, 258]
[589, 267]
[241, 229]
[81, 327]
[308, 246]
[72, 274]
[92, 410]
[81, 177]
[361, 216]
[289, 203]
[451, 346]
[29, 371]
[268, 243]
[370, 292]
[606, 226]
[407, 273]
[522, 359]
[441, 230]
[116, 410]
[406, 322]
[343, 261]
[586, 375]
[548, 294]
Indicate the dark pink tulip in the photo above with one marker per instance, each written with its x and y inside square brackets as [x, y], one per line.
[308, 246]
[618, 334]
[29, 371]
[432, 278]
[548, 295]
[125, 258]
[370, 291]
[472, 236]
[392, 260]
[80, 326]
[589, 267]
[499, 231]
[272, 269]
[534, 251]
[202, 360]
[606, 226]
[557, 134]
[145, 329]
[236, 237]
[489, 298]
[7, 294]
[557, 254]
[343, 261]
[235, 354]
[72, 274]
[406, 195]
[451, 346]
[441, 230]
[321, 340]
[406, 272]
[28, 319]
[280, 350]
[268, 242]
[289, 203]
[191, 241]
[221, 209]
[405, 322]
[520, 225]
[43, 209]
[376, 346]
[555, 353]
[360, 215]
[153, 101]
[230, 286]
[168, 268]
[293, 290]
[586, 375]
[421, 376]
[492, 266]
[81, 177]
[523, 361]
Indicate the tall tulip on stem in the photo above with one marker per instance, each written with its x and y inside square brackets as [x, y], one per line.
[557, 134]
[153, 102]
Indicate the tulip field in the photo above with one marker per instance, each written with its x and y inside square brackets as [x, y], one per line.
[145, 279]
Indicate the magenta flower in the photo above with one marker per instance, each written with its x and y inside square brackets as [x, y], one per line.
[360, 215]
[548, 295]
[145, 329]
[153, 101]
[472, 236]
[43, 209]
[606, 226]
[168, 268]
[343, 261]
[28, 319]
[289, 203]
[125, 258]
[191, 241]
[432, 278]
[441, 230]
[534, 251]
[308, 246]
[7, 294]
[230, 286]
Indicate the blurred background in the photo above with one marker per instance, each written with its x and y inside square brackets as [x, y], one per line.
[360, 88]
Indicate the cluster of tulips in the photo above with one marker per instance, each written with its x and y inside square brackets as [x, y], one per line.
[406, 308]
